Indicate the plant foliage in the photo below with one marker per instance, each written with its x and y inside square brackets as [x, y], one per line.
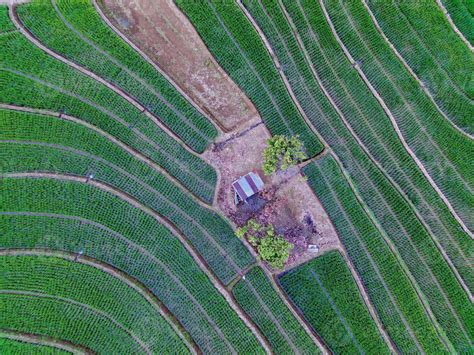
[281, 153]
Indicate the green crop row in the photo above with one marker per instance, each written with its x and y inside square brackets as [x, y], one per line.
[5, 23]
[29, 77]
[75, 30]
[327, 295]
[239, 50]
[363, 114]
[389, 289]
[423, 37]
[261, 302]
[462, 14]
[447, 299]
[42, 143]
[442, 149]
[12, 347]
[115, 315]
[75, 217]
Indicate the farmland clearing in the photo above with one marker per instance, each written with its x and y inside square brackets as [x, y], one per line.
[139, 212]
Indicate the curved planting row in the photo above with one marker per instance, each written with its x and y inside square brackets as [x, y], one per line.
[426, 41]
[444, 151]
[29, 77]
[70, 301]
[363, 138]
[359, 112]
[238, 49]
[258, 298]
[462, 14]
[75, 30]
[59, 214]
[327, 295]
[390, 290]
[14, 346]
[32, 143]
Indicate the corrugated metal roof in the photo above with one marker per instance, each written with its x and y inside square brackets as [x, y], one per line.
[248, 185]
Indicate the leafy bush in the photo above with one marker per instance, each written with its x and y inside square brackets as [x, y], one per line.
[281, 153]
[271, 247]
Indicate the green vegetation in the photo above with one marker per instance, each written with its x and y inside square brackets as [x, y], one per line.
[35, 213]
[74, 29]
[261, 302]
[239, 50]
[5, 23]
[389, 289]
[13, 347]
[43, 143]
[360, 134]
[462, 14]
[29, 77]
[444, 151]
[62, 291]
[271, 247]
[425, 39]
[327, 295]
[281, 153]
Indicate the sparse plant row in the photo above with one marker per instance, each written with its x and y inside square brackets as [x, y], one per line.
[259, 300]
[74, 29]
[431, 55]
[390, 291]
[327, 295]
[29, 77]
[16, 346]
[105, 299]
[444, 151]
[75, 217]
[238, 49]
[397, 217]
[462, 13]
[42, 143]
[361, 112]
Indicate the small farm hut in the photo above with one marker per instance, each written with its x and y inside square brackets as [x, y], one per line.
[246, 186]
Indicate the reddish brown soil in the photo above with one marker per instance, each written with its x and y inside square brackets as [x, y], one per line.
[162, 32]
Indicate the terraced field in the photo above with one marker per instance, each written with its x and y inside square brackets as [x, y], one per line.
[111, 239]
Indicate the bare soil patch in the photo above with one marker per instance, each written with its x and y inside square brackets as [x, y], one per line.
[287, 201]
[162, 32]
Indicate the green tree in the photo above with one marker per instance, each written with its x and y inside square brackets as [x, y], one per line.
[271, 247]
[281, 153]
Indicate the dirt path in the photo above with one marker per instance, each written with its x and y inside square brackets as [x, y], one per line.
[417, 161]
[197, 258]
[453, 25]
[165, 35]
[405, 64]
[134, 284]
[16, 21]
[112, 139]
[46, 341]
[90, 309]
[394, 122]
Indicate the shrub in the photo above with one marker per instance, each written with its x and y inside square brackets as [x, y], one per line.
[281, 153]
[271, 247]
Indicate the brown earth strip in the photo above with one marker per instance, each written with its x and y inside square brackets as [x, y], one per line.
[46, 341]
[160, 30]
